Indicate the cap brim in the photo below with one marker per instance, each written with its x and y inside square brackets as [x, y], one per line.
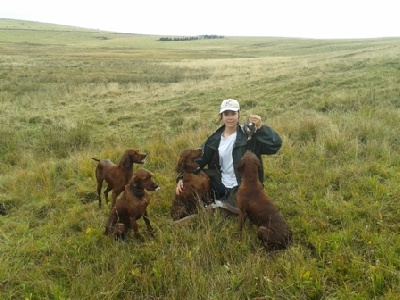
[225, 109]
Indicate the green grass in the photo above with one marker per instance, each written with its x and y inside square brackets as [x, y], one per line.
[68, 94]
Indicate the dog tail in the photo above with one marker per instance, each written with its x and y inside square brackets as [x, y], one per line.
[96, 159]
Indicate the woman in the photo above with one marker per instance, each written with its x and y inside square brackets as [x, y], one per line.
[224, 149]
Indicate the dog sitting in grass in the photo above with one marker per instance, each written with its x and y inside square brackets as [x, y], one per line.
[254, 203]
[131, 206]
[196, 185]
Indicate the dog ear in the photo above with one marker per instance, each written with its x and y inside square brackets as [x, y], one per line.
[135, 182]
[258, 161]
[181, 162]
[132, 181]
[127, 161]
[239, 166]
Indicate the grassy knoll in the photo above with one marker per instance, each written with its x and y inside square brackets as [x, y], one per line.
[69, 94]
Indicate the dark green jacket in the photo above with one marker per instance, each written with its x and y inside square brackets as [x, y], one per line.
[264, 141]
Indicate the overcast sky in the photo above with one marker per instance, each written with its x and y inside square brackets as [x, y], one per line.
[278, 18]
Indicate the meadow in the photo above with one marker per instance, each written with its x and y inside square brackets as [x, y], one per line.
[69, 94]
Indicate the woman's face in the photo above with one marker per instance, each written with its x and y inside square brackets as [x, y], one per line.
[230, 118]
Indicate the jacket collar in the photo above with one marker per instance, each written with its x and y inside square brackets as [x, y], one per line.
[241, 136]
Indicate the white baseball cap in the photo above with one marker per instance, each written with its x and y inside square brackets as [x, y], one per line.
[229, 104]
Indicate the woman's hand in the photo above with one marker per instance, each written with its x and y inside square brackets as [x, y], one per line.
[179, 187]
[256, 120]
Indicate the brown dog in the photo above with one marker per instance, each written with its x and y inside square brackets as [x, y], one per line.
[254, 203]
[131, 206]
[116, 176]
[196, 185]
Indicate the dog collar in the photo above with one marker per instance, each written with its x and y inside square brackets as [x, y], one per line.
[138, 193]
[196, 171]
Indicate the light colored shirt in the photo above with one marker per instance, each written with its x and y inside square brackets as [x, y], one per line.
[226, 160]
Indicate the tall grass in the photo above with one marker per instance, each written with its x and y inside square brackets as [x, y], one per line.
[70, 94]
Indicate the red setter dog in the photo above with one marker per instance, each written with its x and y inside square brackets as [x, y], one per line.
[116, 176]
[196, 185]
[131, 206]
[253, 202]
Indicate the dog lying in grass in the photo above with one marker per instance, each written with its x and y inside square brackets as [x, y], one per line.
[131, 206]
[254, 203]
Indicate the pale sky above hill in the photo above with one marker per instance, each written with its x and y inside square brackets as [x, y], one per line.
[348, 19]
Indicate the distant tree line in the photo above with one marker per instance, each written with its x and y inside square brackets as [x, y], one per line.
[190, 38]
[212, 36]
[168, 39]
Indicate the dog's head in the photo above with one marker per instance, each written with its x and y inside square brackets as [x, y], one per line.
[133, 156]
[143, 180]
[249, 162]
[187, 159]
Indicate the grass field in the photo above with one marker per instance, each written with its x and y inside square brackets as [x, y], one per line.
[68, 94]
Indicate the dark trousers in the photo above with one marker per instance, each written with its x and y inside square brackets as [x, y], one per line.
[230, 196]
[219, 191]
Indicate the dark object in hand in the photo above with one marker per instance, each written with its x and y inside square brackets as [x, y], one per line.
[249, 128]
